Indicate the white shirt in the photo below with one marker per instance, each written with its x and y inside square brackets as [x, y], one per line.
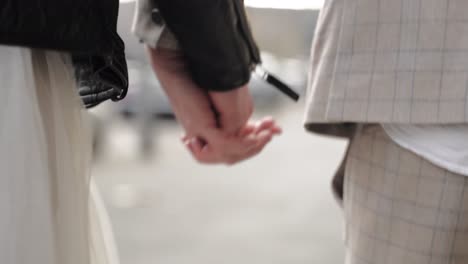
[444, 145]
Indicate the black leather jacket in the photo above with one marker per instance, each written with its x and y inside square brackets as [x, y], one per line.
[216, 39]
[81, 27]
[85, 28]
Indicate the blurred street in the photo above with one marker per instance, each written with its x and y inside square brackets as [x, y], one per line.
[274, 209]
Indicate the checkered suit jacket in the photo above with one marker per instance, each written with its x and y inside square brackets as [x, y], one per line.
[380, 61]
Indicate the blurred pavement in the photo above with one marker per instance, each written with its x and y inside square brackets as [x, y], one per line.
[274, 209]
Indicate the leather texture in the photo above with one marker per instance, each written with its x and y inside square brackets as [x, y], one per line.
[87, 29]
[101, 78]
[83, 27]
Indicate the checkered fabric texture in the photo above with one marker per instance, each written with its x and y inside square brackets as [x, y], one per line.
[398, 61]
[400, 208]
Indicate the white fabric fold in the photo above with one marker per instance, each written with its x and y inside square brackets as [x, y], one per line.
[44, 165]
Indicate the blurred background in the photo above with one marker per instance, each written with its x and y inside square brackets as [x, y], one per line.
[275, 208]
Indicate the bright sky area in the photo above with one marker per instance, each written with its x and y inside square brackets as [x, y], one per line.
[286, 4]
[279, 4]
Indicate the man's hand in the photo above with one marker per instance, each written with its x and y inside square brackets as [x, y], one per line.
[234, 108]
[205, 139]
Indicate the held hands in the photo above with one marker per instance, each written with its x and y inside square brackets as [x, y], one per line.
[233, 108]
[217, 126]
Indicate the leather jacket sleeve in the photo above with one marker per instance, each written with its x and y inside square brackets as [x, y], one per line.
[215, 38]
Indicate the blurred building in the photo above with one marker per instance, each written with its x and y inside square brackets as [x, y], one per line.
[283, 32]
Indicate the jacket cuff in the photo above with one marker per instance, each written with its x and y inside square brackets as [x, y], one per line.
[215, 38]
[221, 80]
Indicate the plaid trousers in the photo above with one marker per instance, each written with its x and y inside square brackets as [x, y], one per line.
[400, 208]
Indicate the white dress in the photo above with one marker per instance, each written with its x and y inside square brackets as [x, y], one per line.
[50, 212]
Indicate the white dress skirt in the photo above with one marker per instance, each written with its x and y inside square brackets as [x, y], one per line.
[50, 212]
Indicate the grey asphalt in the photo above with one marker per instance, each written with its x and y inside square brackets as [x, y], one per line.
[274, 209]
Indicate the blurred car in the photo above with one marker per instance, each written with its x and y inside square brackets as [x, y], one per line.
[147, 97]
